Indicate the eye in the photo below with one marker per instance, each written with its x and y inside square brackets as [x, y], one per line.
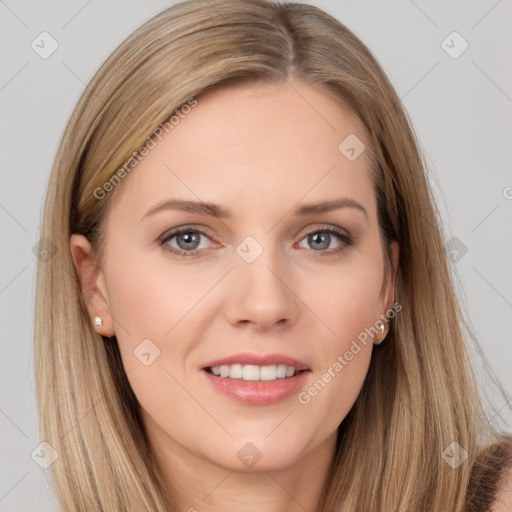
[326, 240]
[190, 241]
[185, 241]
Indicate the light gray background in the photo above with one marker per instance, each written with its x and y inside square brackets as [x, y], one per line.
[460, 108]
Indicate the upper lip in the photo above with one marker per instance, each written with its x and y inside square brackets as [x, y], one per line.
[258, 360]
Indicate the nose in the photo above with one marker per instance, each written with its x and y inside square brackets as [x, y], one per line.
[261, 295]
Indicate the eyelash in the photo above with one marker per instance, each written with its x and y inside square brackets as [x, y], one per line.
[341, 235]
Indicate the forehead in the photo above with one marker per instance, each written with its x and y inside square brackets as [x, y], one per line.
[255, 144]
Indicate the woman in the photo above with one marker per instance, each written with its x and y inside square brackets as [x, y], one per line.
[250, 305]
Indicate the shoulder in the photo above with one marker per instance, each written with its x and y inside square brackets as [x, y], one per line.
[503, 500]
[490, 485]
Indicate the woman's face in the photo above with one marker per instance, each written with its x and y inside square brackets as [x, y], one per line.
[279, 265]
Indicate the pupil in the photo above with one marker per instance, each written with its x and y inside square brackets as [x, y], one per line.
[188, 240]
[322, 239]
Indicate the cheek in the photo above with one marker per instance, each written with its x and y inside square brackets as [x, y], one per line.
[346, 298]
[344, 362]
[150, 295]
[327, 399]
[152, 305]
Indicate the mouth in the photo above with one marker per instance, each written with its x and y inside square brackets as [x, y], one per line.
[257, 379]
[255, 373]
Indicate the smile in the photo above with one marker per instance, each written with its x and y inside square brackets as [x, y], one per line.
[256, 379]
[253, 372]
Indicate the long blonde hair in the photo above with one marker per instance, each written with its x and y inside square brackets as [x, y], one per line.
[420, 394]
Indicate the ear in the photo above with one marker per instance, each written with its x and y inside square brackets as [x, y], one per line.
[388, 287]
[92, 281]
[391, 271]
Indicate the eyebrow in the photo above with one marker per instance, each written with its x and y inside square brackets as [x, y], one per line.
[219, 212]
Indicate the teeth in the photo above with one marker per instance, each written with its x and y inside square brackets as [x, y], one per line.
[281, 371]
[268, 373]
[250, 372]
[253, 372]
[235, 371]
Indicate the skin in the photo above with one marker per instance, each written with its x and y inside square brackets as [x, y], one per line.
[259, 151]
[503, 502]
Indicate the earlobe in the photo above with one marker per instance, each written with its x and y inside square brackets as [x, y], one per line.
[92, 283]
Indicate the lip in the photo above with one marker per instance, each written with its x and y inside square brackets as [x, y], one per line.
[258, 360]
[258, 392]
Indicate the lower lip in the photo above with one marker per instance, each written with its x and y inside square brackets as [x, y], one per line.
[258, 392]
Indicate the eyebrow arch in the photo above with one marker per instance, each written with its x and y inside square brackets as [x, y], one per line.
[335, 204]
[217, 211]
[189, 206]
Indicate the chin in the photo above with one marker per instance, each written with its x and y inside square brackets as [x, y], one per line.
[261, 453]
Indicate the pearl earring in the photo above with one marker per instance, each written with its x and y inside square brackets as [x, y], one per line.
[98, 322]
[382, 330]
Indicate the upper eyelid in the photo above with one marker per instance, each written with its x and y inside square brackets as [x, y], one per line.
[204, 230]
[170, 234]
